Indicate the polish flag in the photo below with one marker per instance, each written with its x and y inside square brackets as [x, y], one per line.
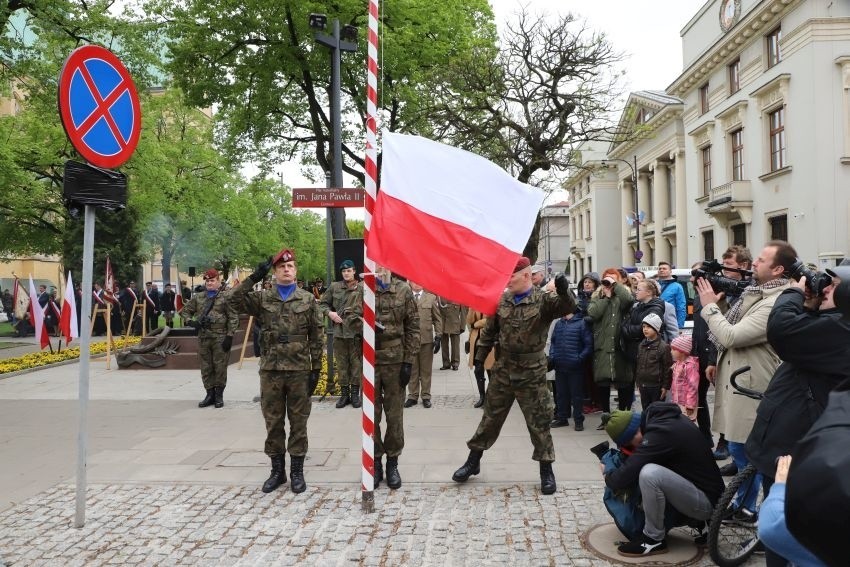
[178, 301]
[68, 316]
[37, 317]
[450, 220]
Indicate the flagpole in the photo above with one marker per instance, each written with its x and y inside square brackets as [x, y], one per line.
[368, 393]
[85, 341]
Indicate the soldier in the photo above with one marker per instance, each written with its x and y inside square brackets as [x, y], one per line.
[290, 363]
[454, 321]
[518, 330]
[343, 304]
[216, 323]
[396, 345]
[430, 331]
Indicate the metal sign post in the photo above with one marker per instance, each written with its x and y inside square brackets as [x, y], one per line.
[100, 112]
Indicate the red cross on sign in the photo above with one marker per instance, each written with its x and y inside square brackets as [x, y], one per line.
[99, 106]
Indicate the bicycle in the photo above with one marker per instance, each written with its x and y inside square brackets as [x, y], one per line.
[731, 542]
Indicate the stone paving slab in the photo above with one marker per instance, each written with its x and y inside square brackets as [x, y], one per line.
[196, 524]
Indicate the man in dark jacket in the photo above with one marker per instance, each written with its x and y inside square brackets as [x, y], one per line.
[815, 350]
[672, 464]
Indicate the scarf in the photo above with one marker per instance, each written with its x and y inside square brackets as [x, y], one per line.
[736, 312]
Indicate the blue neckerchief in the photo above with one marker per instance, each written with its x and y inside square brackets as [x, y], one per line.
[284, 291]
[520, 296]
[211, 293]
[381, 284]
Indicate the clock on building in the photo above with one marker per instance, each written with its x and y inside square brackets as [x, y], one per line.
[730, 11]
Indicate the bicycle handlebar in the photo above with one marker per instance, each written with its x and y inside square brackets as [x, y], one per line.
[733, 379]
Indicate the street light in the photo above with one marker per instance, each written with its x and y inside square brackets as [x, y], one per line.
[337, 43]
[637, 215]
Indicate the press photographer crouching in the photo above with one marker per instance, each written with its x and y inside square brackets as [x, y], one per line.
[811, 334]
[670, 461]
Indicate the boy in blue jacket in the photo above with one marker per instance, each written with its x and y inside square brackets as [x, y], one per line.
[571, 346]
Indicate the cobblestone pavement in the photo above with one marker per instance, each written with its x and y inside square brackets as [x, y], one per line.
[191, 524]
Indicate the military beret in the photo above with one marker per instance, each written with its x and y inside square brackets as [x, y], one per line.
[346, 264]
[285, 255]
[522, 264]
[211, 274]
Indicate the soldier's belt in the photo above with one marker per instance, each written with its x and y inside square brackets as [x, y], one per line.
[286, 339]
[522, 356]
[388, 344]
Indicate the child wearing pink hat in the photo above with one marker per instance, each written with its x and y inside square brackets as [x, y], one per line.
[685, 384]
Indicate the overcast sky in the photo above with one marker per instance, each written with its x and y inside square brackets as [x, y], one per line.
[646, 31]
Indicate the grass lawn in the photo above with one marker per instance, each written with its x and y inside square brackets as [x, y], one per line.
[6, 329]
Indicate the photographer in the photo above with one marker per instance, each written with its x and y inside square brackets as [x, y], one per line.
[741, 340]
[731, 278]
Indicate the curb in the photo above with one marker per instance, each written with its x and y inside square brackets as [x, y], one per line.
[44, 367]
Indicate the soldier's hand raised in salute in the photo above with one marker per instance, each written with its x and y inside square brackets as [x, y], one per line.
[262, 269]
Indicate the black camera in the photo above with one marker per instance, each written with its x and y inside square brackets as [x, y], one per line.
[600, 449]
[816, 282]
[712, 270]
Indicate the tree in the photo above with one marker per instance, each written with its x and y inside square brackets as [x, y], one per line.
[259, 64]
[552, 86]
[116, 236]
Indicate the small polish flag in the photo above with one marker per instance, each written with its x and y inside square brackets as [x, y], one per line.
[68, 316]
[450, 220]
[37, 317]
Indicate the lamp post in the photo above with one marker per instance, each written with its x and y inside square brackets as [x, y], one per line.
[634, 169]
[344, 39]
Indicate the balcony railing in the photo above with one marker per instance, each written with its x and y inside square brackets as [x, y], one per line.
[729, 193]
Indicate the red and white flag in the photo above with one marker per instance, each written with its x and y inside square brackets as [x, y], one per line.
[68, 316]
[149, 300]
[109, 281]
[178, 301]
[37, 317]
[450, 220]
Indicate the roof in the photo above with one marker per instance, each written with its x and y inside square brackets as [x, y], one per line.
[659, 96]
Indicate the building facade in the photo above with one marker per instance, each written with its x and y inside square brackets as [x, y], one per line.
[750, 143]
[553, 247]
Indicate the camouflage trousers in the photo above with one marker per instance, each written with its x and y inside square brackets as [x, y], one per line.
[213, 361]
[420, 379]
[445, 341]
[348, 360]
[535, 401]
[389, 399]
[282, 394]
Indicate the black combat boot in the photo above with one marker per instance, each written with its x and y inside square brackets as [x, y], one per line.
[480, 401]
[218, 392]
[344, 398]
[470, 467]
[209, 400]
[547, 478]
[278, 475]
[356, 402]
[379, 471]
[393, 478]
[296, 472]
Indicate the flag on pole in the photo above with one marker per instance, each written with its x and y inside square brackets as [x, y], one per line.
[450, 220]
[20, 300]
[68, 315]
[109, 282]
[37, 317]
[178, 301]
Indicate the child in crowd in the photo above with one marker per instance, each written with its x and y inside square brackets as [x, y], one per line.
[653, 371]
[685, 384]
[571, 346]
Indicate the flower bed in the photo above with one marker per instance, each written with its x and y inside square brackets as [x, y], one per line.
[36, 359]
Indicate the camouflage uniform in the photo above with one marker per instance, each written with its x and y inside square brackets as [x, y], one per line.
[291, 338]
[518, 332]
[453, 316]
[430, 326]
[396, 311]
[223, 322]
[347, 302]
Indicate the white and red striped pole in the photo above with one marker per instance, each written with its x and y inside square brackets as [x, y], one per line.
[368, 461]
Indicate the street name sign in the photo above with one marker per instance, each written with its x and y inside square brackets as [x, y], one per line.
[321, 197]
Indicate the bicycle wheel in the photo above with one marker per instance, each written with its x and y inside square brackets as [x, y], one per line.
[730, 542]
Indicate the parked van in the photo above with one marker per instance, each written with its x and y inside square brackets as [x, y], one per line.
[683, 276]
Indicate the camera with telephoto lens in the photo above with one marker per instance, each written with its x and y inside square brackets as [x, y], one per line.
[816, 282]
[600, 449]
[711, 271]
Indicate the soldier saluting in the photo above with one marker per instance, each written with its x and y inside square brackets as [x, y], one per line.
[518, 331]
[216, 323]
[290, 363]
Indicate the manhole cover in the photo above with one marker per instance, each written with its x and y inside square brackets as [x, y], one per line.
[602, 541]
[259, 459]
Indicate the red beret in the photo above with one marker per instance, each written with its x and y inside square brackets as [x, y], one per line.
[285, 255]
[211, 274]
[521, 264]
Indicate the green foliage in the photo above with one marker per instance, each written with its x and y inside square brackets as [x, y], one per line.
[116, 235]
[356, 228]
